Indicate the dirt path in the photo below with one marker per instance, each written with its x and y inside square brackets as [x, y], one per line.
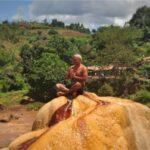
[20, 123]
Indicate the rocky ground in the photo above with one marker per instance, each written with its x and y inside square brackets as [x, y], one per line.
[14, 121]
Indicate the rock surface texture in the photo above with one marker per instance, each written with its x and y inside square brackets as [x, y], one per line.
[88, 122]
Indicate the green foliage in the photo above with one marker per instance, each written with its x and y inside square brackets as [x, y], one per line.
[142, 96]
[45, 73]
[10, 76]
[9, 33]
[5, 58]
[144, 50]
[45, 65]
[12, 98]
[93, 85]
[45, 56]
[125, 84]
[115, 45]
[141, 18]
[34, 106]
[78, 27]
[63, 47]
[106, 90]
[11, 80]
[144, 71]
[52, 32]
[43, 69]
[147, 34]
[56, 23]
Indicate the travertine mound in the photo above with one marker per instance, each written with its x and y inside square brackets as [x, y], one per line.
[95, 123]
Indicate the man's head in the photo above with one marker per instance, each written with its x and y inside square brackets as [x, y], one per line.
[76, 59]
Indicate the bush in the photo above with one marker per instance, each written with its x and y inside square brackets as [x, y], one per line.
[144, 70]
[63, 47]
[115, 45]
[44, 73]
[56, 23]
[92, 85]
[5, 57]
[11, 80]
[142, 96]
[52, 32]
[106, 90]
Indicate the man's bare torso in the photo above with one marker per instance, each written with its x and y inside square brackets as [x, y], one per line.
[78, 71]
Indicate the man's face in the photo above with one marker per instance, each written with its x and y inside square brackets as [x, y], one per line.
[76, 60]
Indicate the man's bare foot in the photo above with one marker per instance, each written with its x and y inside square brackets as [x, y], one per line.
[61, 94]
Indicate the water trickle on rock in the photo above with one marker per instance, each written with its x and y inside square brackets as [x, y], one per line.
[61, 113]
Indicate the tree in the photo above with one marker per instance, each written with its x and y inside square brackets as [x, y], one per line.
[52, 32]
[45, 73]
[42, 70]
[45, 65]
[56, 23]
[63, 47]
[5, 58]
[141, 18]
[115, 45]
[78, 27]
[146, 34]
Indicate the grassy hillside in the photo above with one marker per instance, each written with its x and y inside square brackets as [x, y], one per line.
[31, 33]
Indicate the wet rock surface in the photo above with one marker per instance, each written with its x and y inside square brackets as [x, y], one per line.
[61, 113]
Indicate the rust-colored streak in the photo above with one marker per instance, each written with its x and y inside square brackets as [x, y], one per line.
[102, 103]
[25, 145]
[61, 113]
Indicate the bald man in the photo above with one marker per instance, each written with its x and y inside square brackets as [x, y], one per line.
[78, 74]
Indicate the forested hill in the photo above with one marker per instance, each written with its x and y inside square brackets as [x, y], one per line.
[34, 57]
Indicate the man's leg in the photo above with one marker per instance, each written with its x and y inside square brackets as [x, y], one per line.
[75, 88]
[61, 89]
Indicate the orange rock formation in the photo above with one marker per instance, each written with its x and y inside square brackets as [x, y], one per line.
[88, 123]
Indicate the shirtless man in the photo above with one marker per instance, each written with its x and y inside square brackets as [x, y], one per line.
[77, 74]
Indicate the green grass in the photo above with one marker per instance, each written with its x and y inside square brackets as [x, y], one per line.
[141, 96]
[14, 98]
[34, 106]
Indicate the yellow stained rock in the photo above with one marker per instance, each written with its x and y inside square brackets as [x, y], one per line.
[95, 123]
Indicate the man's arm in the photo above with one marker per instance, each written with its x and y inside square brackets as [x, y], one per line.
[68, 73]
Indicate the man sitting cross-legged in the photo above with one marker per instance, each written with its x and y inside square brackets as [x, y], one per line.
[77, 74]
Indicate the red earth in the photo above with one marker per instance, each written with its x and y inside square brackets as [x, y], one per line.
[20, 123]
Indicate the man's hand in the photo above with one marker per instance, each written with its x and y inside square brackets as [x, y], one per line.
[72, 74]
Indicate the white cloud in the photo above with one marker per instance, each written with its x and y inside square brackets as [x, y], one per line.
[121, 21]
[91, 13]
[20, 14]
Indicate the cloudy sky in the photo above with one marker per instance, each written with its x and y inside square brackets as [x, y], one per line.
[92, 13]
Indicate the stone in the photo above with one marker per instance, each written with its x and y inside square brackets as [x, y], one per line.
[95, 123]
[5, 117]
[2, 107]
